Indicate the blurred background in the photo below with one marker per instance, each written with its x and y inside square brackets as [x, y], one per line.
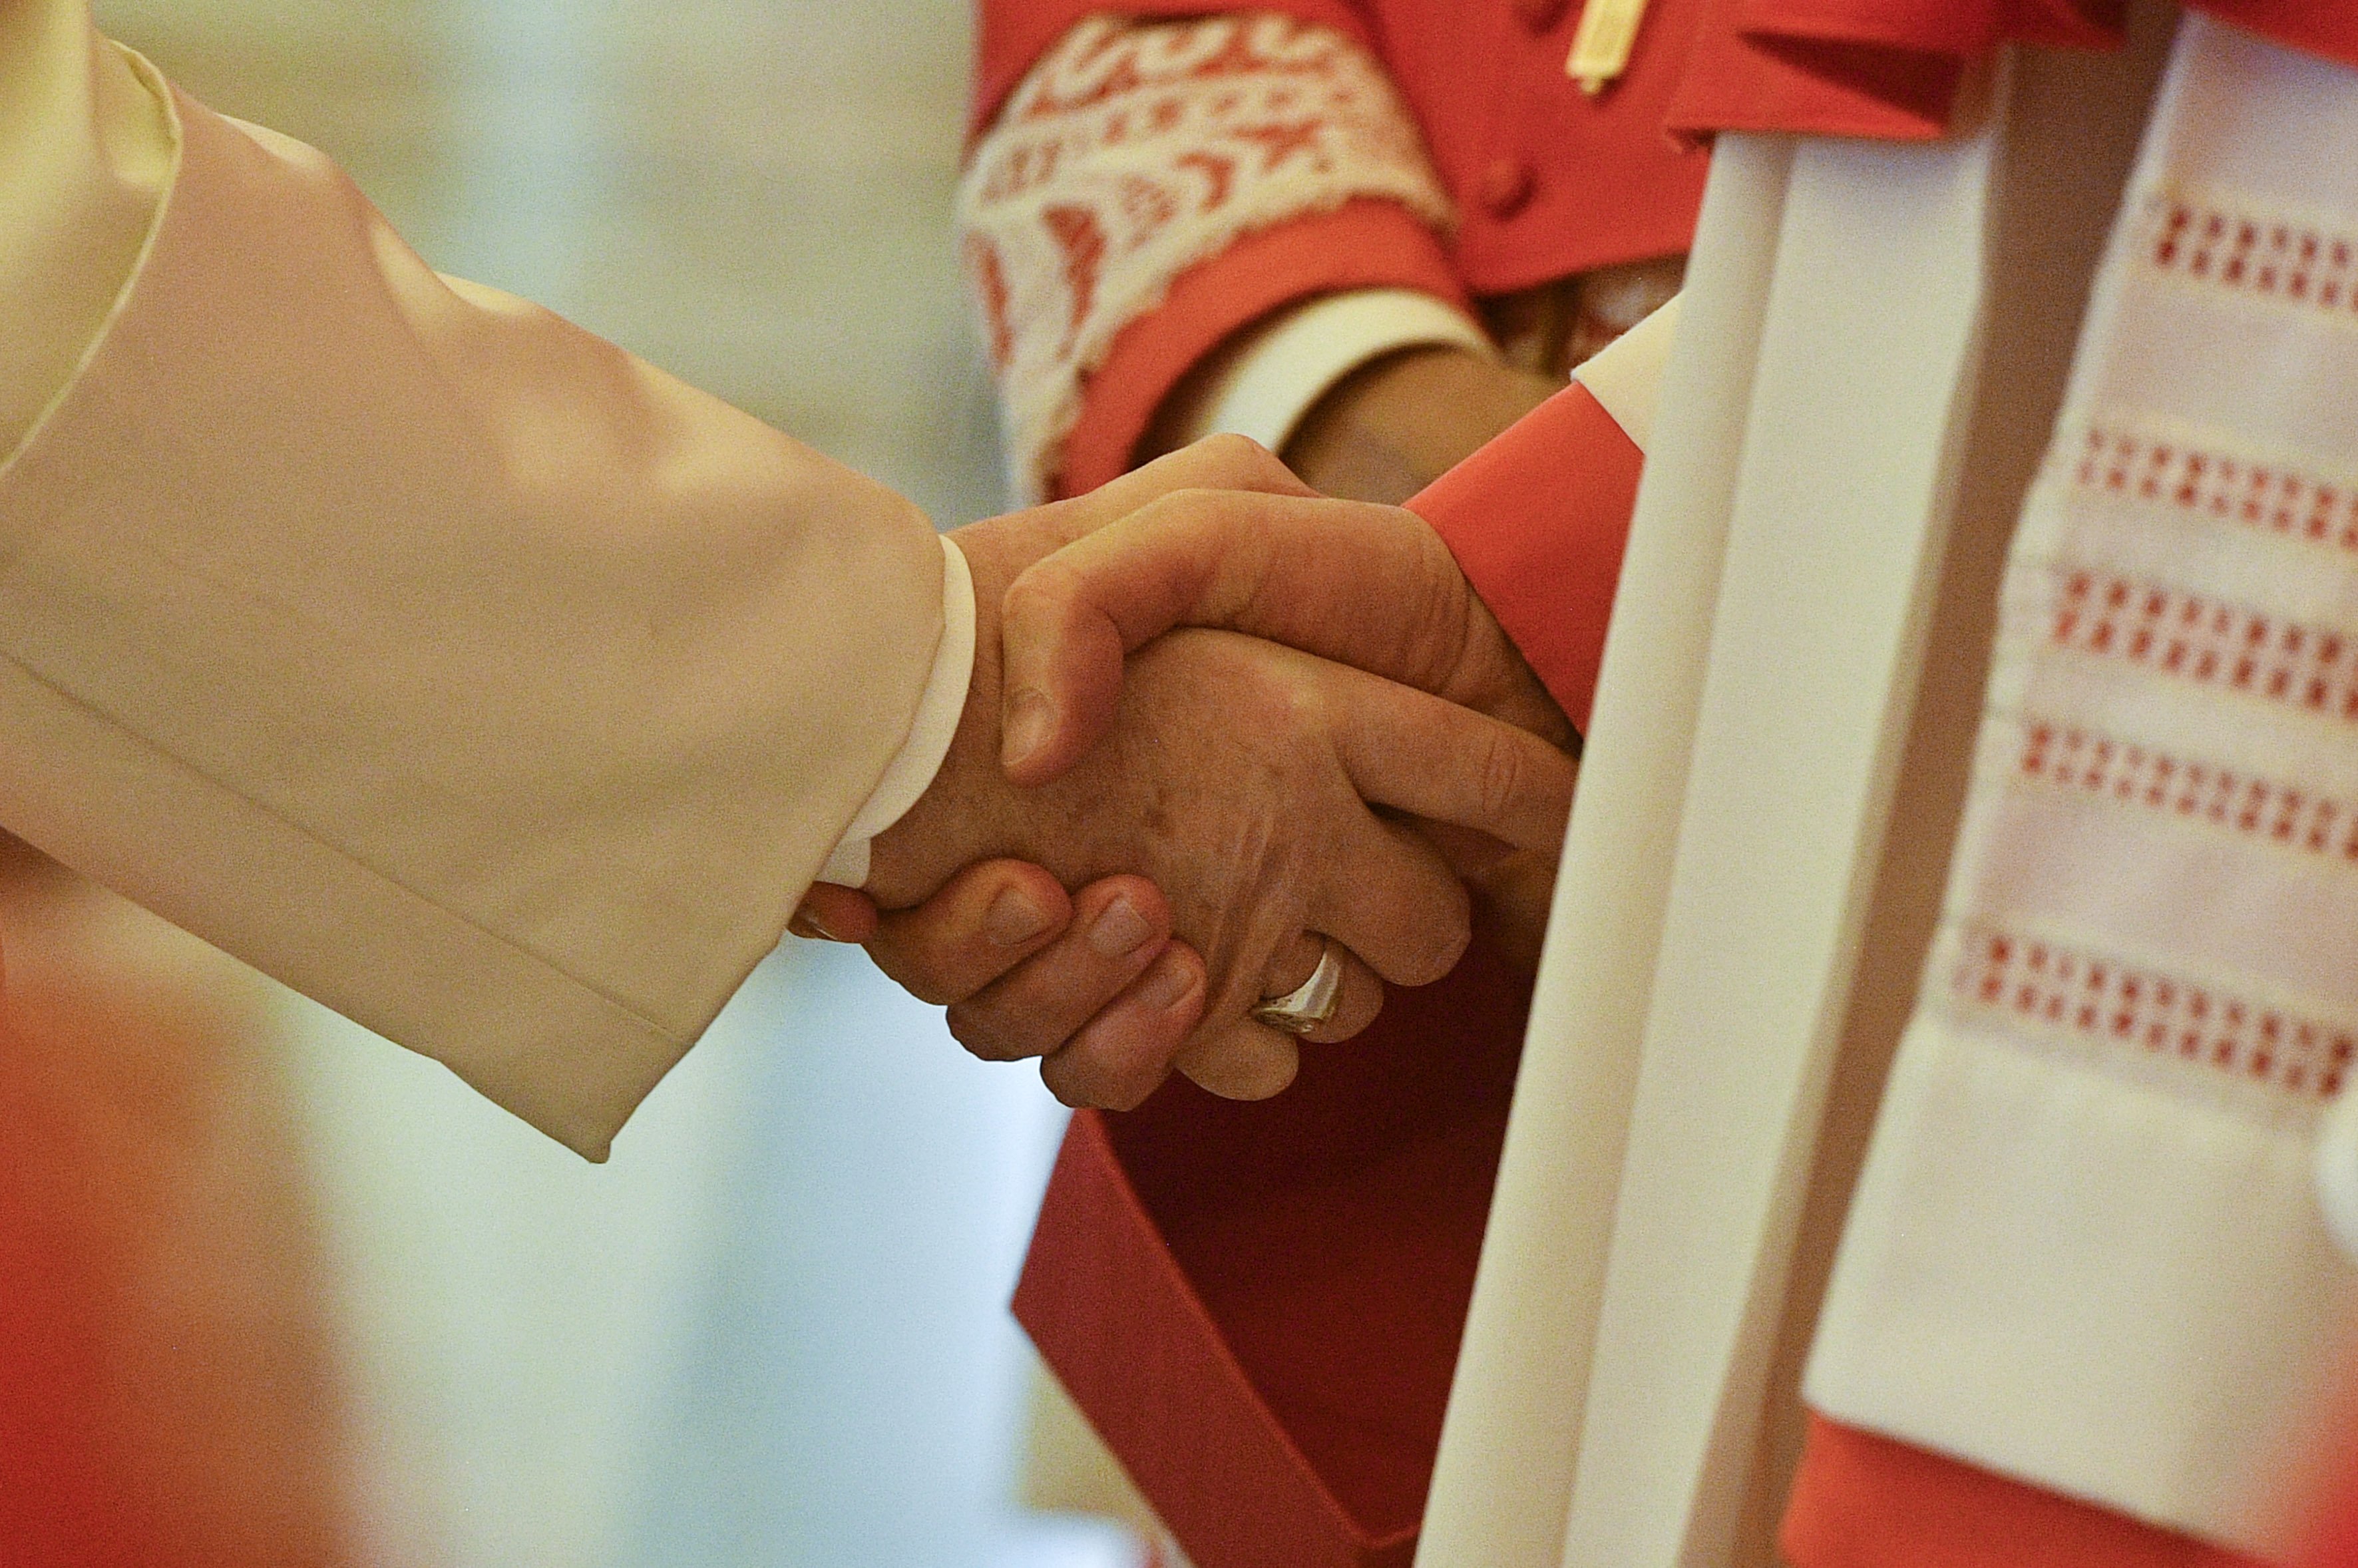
[356, 1314]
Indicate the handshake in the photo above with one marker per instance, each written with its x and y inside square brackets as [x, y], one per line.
[1274, 741]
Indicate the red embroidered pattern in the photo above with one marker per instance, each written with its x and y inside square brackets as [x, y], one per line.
[1134, 151]
[2210, 484]
[1110, 64]
[2281, 260]
[2223, 798]
[2101, 1002]
[2202, 640]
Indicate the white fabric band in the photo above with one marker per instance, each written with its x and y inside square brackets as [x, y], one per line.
[911, 771]
[1261, 381]
[2085, 1251]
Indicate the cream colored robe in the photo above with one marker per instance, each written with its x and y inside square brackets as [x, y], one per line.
[420, 649]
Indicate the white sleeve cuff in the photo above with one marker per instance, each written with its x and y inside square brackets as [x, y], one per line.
[1626, 375]
[1264, 379]
[911, 771]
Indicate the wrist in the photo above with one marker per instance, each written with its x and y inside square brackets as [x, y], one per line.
[969, 812]
[1398, 423]
[939, 708]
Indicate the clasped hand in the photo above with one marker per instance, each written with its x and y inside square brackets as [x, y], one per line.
[1357, 745]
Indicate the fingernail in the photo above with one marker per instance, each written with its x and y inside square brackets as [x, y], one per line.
[1119, 930]
[1167, 986]
[1014, 919]
[809, 927]
[1029, 719]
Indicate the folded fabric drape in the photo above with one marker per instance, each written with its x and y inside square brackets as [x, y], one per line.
[1896, 69]
[1891, 70]
[1962, 28]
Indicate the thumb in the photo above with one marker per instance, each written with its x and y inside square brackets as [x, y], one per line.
[1216, 462]
[1360, 584]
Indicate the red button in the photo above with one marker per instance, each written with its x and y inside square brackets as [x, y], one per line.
[1539, 16]
[1504, 186]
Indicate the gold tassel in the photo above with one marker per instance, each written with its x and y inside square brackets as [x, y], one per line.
[1600, 48]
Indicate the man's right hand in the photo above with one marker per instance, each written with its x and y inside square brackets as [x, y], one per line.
[1247, 777]
[1249, 781]
[1367, 584]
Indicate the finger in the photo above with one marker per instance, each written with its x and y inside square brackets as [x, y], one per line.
[1369, 586]
[1241, 1060]
[1421, 755]
[1359, 998]
[832, 913]
[1119, 925]
[984, 921]
[1224, 462]
[1123, 1054]
[1393, 901]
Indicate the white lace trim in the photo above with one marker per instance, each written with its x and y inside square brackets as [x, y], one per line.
[1132, 151]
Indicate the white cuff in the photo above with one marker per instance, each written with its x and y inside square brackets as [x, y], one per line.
[1626, 375]
[1264, 379]
[911, 771]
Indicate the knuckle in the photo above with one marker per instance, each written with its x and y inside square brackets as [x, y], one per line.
[1039, 594]
[1290, 718]
[1505, 777]
[1205, 512]
[1242, 454]
[1196, 509]
[965, 1030]
[983, 1034]
[931, 986]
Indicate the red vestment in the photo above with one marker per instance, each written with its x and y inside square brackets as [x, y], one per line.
[1544, 558]
[1547, 181]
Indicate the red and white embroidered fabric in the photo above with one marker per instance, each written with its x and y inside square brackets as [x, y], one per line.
[1133, 151]
[2085, 1252]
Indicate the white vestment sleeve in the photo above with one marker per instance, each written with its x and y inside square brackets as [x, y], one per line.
[435, 657]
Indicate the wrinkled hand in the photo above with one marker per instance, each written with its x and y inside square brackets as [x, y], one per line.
[999, 945]
[1365, 585]
[1237, 774]
[1369, 586]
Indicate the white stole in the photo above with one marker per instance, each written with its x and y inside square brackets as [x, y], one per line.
[1871, 353]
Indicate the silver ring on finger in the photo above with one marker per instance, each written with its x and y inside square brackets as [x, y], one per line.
[1314, 1001]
